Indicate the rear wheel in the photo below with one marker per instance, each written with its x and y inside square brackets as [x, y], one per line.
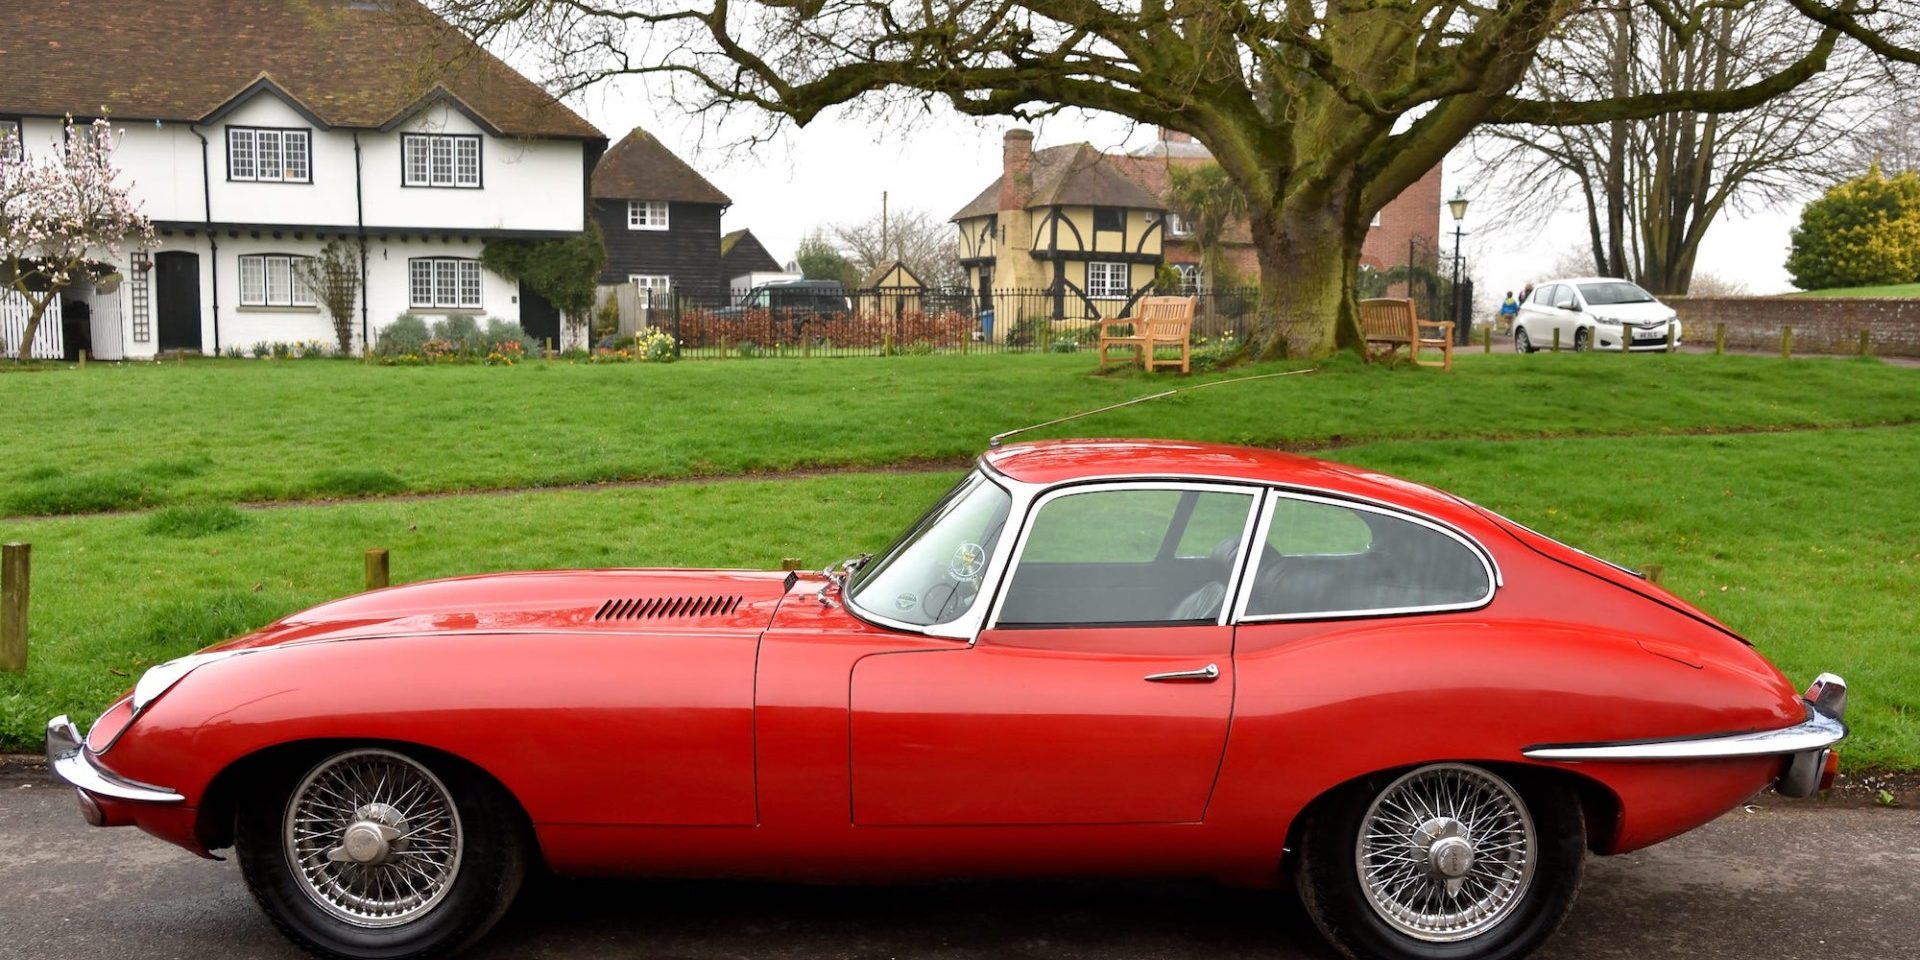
[1444, 862]
[374, 854]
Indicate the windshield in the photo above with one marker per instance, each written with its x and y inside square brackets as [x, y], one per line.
[933, 574]
[1612, 292]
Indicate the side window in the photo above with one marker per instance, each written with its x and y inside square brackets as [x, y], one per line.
[1330, 559]
[1544, 296]
[1127, 556]
[1563, 297]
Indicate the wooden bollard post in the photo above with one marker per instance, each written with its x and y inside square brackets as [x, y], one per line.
[1626, 338]
[1486, 339]
[790, 563]
[83, 359]
[376, 568]
[1786, 343]
[1719, 339]
[1669, 338]
[1556, 339]
[1866, 342]
[1653, 572]
[14, 575]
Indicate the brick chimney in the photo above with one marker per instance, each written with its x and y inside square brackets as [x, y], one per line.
[1175, 136]
[1016, 169]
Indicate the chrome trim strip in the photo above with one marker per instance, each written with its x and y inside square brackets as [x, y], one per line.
[1818, 732]
[1494, 582]
[68, 756]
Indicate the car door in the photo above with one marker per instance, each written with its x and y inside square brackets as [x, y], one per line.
[1100, 690]
[1568, 315]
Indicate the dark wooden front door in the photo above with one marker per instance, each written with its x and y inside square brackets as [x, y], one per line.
[177, 301]
[539, 318]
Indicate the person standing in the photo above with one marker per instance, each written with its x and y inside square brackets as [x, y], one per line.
[1509, 309]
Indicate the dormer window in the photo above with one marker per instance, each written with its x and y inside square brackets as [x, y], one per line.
[440, 160]
[646, 215]
[270, 154]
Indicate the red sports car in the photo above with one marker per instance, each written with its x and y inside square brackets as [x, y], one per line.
[1089, 657]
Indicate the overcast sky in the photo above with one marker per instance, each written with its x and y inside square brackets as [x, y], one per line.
[836, 169]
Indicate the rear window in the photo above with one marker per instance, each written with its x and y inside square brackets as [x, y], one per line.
[1323, 558]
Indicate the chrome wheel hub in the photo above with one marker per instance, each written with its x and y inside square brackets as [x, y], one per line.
[1445, 852]
[373, 838]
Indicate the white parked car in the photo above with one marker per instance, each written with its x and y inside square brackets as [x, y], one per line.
[1594, 313]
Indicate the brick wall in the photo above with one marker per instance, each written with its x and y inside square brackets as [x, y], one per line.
[1414, 213]
[1820, 325]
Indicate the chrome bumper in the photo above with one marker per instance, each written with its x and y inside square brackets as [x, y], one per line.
[1806, 744]
[67, 756]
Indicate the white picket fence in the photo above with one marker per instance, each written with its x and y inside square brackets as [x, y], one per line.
[14, 312]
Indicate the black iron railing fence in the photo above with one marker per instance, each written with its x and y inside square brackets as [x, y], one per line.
[916, 320]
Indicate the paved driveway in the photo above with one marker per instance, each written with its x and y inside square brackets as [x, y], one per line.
[1779, 882]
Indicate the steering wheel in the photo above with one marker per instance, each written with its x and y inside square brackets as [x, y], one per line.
[961, 583]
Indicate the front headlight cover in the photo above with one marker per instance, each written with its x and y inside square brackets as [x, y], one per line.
[160, 678]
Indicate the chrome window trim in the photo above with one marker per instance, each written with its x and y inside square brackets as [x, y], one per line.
[1047, 495]
[1240, 614]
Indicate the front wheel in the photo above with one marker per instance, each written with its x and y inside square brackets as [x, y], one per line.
[1521, 342]
[1444, 862]
[374, 854]
[1582, 339]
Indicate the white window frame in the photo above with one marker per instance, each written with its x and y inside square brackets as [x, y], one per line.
[444, 283]
[1103, 288]
[1177, 225]
[453, 160]
[648, 214]
[652, 286]
[273, 280]
[290, 150]
[18, 132]
[1192, 280]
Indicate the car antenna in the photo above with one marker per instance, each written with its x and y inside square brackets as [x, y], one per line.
[994, 441]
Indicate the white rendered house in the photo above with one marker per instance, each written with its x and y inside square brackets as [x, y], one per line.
[254, 133]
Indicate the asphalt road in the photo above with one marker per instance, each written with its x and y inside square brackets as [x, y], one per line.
[1780, 881]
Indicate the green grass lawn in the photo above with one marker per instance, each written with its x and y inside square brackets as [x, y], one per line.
[1890, 290]
[1808, 542]
[115, 437]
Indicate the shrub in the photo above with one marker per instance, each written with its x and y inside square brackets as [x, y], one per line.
[463, 332]
[194, 520]
[1863, 232]
[407, 334]
[262, 350]
[655, 347]
[501, 332]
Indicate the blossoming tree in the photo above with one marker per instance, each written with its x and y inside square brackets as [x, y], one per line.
[60, 211]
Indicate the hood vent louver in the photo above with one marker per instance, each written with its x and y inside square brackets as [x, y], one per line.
[666, 608]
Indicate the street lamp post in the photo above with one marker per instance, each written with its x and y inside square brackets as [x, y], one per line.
[1458, 205]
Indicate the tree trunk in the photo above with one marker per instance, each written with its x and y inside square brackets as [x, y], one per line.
[33, 324]
[1309, 259]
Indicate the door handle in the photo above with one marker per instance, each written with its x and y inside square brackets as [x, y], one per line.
[1206, 674]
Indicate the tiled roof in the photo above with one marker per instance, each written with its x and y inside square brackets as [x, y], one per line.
[640, 167]
[742, 252]
[1071, 175]
[348, 63]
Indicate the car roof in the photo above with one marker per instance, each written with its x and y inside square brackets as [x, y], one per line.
[1048, 462]
[1584, 280]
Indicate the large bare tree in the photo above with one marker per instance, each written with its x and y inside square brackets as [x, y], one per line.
[1651, 188]
[922, 241]
[1321, 111]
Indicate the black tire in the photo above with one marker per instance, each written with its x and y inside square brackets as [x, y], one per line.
[1327, 874]
[493, 844]
[1582, 339]
[1521, 342]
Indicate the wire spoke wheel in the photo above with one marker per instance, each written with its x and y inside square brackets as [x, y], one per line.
[1446, 852]
[373, 838]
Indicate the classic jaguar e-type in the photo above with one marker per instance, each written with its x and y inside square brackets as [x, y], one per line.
[1089, 657]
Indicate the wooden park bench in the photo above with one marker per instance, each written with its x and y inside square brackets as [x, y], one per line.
[1156, 322]
[1391, 321]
